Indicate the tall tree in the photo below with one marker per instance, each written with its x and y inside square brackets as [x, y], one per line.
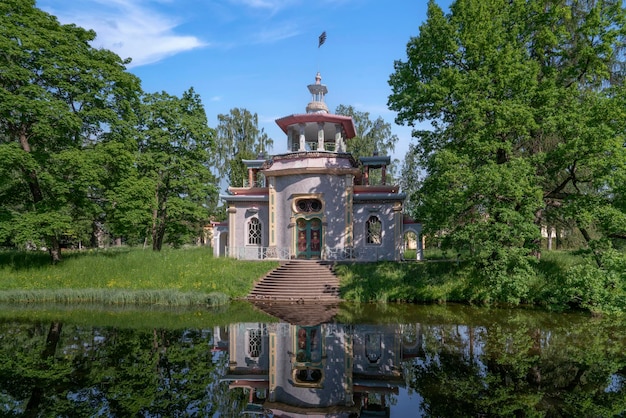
[175, 156]
[410, 179]
[526, 103]
[239, 138]
[371, 135]
[58, 97]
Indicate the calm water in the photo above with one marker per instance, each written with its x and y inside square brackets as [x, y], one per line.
[310, 361]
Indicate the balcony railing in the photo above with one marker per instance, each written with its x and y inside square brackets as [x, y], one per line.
[332, 254]
[260, 182]
[258, 253]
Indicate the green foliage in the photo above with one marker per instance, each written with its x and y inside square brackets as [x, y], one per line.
[238, 138]
[526, 106]
[82, 154]
[174, 156]
[559, 281]
[58, 97]
[506, 277]
[587, 285]
[372, 136]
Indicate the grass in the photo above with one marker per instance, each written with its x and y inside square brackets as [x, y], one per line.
[128, 276]
[193, 277]
[448, 281]
[402, 282]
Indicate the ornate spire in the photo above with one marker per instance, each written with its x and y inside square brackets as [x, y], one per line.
[318, 90]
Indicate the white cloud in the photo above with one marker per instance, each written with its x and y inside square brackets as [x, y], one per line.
[277, 33]
[130, 29]
[273, 5]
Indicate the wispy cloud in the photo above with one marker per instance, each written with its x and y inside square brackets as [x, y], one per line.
[131, 29]
[272, 5]
[277, 33]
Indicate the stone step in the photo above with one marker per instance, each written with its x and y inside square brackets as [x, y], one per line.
[299, 280]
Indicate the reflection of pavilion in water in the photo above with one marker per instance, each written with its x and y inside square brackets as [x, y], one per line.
[327, 370]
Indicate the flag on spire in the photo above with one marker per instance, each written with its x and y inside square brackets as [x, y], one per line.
[322, 39]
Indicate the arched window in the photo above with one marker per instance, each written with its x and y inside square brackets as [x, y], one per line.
[254, 346]
[254, 232]
[374, 231]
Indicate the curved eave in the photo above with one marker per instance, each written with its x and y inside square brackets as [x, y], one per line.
[244, 198]
[358, 189]
[248, 191]
[376, 160]
[254, 163]
[368, 197]
[345, 121]
[310, 171]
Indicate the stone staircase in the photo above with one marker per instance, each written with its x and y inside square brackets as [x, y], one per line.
[298, 281]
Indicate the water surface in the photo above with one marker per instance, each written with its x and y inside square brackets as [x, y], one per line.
[310, 360]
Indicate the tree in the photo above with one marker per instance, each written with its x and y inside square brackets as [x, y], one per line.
[58, 97]
[239, 138]
[371, 135]
[175, 155]
[526, 103]
[410, 179]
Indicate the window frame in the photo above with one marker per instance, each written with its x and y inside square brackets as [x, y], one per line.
[370, 234]
[257, 240]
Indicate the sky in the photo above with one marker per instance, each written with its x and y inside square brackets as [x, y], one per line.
[258, 54]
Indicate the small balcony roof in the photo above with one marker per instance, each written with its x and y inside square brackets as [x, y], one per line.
[331, 119]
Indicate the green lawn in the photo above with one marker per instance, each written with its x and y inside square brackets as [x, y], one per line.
[173, 277]
[191, 277]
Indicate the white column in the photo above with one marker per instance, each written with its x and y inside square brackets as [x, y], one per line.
[339, 145]
[290, 139]
[302, 138]
[320, 136]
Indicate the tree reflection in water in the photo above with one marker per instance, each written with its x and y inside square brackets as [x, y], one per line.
[458, 362]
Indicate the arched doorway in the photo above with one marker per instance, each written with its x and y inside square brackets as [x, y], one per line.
[309, 238]
[223, 243]
[412, 248]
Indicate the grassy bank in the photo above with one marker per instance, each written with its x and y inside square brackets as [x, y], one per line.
[192, 277]
[128, 276]
[557, 284]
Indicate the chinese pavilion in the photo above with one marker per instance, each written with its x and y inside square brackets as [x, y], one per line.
[315, 201]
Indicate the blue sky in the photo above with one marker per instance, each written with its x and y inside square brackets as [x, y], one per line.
[258, 54]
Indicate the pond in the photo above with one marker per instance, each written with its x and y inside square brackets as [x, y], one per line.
[309, 360]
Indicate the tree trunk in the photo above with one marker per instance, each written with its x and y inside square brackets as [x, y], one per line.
[588, 240]
[159, 233]
[549, 231]
[155, 219]
[54, 248]
[159, 218]
[52, 341]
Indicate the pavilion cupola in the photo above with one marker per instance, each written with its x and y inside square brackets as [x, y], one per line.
[317, 129]
[318, 90]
